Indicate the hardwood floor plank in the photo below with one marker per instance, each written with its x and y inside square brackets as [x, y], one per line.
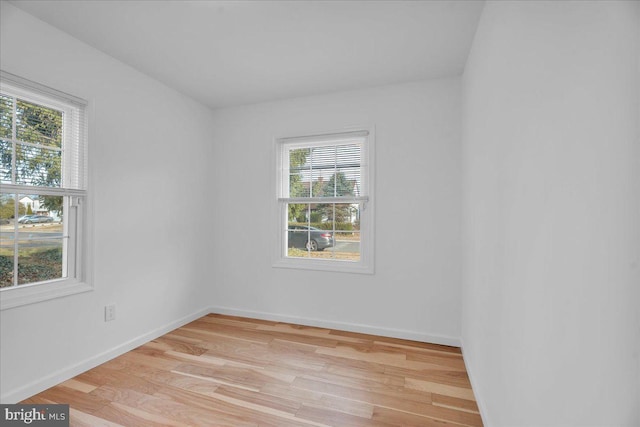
[421, 347]
[288, 328]
[455, 403]
[86, 402]
[170, 379]
[399, 396]
[454, 378]
[82, 419]
[407, 419]
[319, 400]
[247, 333]
[431, 413]
[384, 377]
[236, 320]
[168, 344]
[79, 385]
[351, 407]
[336, 418]
[397, 341]
[386, 384]
[120, 378]
[237, 372]
[265, 415]
[290, 405]
[447, 390]
[380, 357]
[125, 416]
[173, 408]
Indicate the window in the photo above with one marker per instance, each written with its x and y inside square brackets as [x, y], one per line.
[325, 203]
[43, 191]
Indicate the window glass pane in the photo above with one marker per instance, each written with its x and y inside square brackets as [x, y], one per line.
[7, 210]
[344, 183]
[5, 161]
[298, 213]
[297, 162]
[305, 241]
[7, 234]
[37, 166]
[325, 171]
[298, 159]
[342, 221]
[40, 238]
[298, 231]
[348, 156]
[319, 184]
[42, 211]
[38, 124]
[6, 116]
[324, 231]
[297, 188]
[39, 259]
[347, 177]
[345, 215]
[347, 245]
[323, 157]
[6, 261]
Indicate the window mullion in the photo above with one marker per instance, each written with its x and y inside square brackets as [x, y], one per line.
[308, 247]
[16, 213]
[16, 202]
[14, 137]
[43, 191]
[35, 145]
[333, 223]
[323, 199]
[335, 172]
[65, 231]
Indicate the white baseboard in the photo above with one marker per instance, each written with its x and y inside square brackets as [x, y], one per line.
[343, 326]
[474, 386]
[64, 374]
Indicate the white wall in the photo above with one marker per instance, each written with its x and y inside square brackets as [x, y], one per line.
[415, 291]
[551, 214]
[149, 155]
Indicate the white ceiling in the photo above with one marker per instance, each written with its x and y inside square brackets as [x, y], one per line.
[226, 53]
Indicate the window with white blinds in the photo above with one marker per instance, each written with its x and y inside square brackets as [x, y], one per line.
[325, 213]
[43, 189]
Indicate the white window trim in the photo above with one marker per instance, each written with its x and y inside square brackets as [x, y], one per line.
[16, 296]
[366, 265]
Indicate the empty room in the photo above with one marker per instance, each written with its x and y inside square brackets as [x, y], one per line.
[319, 213]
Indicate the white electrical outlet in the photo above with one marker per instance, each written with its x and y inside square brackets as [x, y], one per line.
[109, 312]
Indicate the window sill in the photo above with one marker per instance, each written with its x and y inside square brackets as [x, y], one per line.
[323, 265]
[30, 294]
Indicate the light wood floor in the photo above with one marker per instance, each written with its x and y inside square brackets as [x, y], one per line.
[231, 371]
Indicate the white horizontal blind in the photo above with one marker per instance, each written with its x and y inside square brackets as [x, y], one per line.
[327, 168]
[64, 146]
[74, 172]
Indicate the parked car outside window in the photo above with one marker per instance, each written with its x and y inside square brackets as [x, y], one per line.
[34, 219]
[310, 238]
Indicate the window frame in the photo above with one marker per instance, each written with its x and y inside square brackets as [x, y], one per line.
[76, 200]
[366, 265]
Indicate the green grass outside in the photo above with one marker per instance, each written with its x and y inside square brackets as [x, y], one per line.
[34, 265]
